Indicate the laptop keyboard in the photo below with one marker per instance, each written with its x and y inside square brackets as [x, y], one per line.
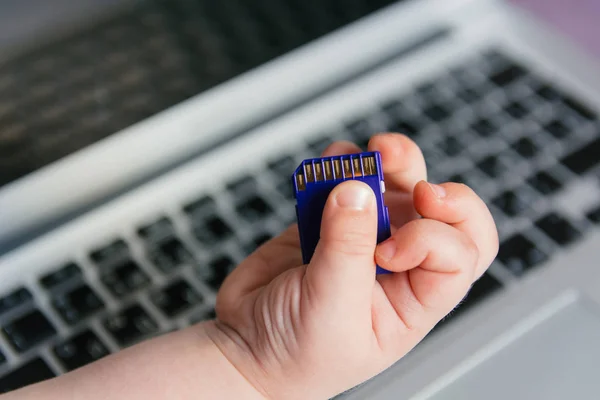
[80, 350]
[519, 254]
[147, 58]
[490, 123]
[29, 330]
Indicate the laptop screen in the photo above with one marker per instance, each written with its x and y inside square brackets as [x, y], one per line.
[96, 78]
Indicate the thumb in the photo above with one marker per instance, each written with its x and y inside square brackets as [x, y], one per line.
[342, 269]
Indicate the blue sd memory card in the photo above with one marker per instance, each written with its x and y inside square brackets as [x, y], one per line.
[315, 178]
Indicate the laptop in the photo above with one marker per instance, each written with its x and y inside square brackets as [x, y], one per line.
[148, 150]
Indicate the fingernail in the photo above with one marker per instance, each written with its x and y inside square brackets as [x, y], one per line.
[438, 190]
[386, 250]
[354, 196]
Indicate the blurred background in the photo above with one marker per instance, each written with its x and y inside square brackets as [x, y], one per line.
[577, 18]
[72, 73]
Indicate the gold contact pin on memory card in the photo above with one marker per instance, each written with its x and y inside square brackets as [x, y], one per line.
[347, 168]
[319, 172]
[308, 171]
[357, 167]
[300, 181]
[328, 169]
[337, 169]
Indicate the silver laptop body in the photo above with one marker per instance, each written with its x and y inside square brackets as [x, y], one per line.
[488, 75]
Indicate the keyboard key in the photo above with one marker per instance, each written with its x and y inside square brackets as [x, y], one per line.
[558, 229]
[549, 93]
[202, 206]
[254, 209]
[131, 325]
[432, 157]
[204, 315]
[27, 374]
[80, 350]
[545, 183]
[468, 95]
[286, 189]
[243, 186]
[484, 127]
[525, 147]
[288, 219]
[157, 229]
[213, 230]
[557, 129]
[363, 143]
[491, 166]
[114, 251]
[393, 108]
[594, 215]
[481, 289]
[176, 298]
[170, 254]
[14, 299]
[580, 109]
[427, 90]
[28, 330]
[513, 202]
[516, 110]
[257, 241]
[318, 145]
[77, 304]
[437, 113]
[508, 75]
[458, 178]
[360, 129]
[451, 146]
[519, 254]
[283, 167]
[462, 75]
[216, 271]
[495, 58]
[125, 278]
[584, 159]
[58, 277]
[405, 127]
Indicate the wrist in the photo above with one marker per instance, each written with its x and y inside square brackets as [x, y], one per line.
[232, 360]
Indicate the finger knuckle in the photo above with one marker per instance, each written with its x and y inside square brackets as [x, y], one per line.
[470, 251]
[351, 243]
[419, 228]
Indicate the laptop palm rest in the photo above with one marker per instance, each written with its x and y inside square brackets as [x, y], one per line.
[558, 358]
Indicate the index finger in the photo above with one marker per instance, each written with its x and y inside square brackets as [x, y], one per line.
[403, 161]
[459, 206]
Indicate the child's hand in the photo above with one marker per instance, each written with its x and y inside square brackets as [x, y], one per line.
[292, 331]
[313, 331]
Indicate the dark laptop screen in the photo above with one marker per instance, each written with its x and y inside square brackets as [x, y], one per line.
[101, 77]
